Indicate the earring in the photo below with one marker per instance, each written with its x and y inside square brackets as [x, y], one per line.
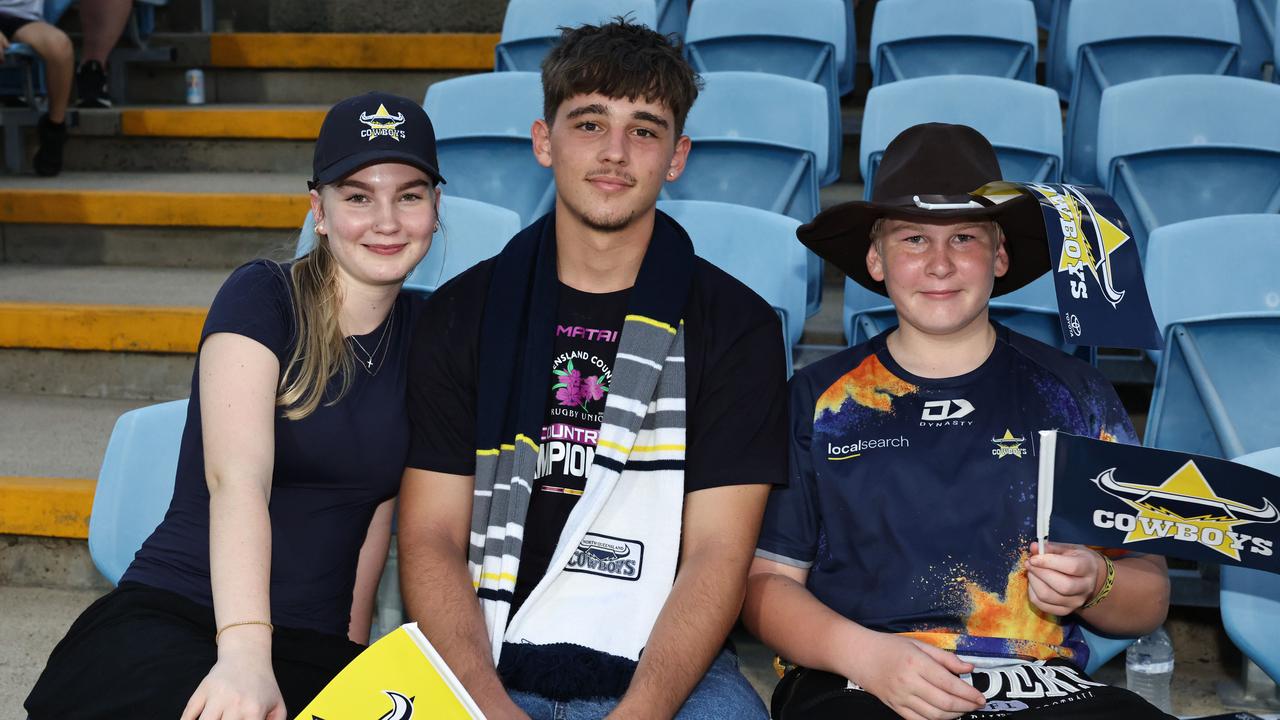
[319, 228]
[671, 174]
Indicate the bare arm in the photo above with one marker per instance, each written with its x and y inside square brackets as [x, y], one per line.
[719, 534]
[914, 679]
[1067, 576]
[373, 557]
[435, 527]
[237, 411]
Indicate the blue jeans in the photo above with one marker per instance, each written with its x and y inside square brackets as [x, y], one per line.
[722, 694]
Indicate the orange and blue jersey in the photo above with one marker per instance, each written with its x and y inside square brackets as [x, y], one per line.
[912, 500]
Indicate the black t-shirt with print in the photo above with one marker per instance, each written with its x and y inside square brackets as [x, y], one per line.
[735, 393]
[588, 326]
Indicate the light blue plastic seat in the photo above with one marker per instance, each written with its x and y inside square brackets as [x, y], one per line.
[470, 231]
[757, 247]
[1250, 599]
[919, 38]
[1257, 35]
[758, 140]
[752, 35]
[1102, 648]
[483, 140]
[1215, 294]
[531, 27]
[1183, 147]
[135, 484]
[1052, 16]
[1022, 121]
[1109, 43]
[673, 16]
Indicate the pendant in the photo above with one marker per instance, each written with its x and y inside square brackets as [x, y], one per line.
[369, 363]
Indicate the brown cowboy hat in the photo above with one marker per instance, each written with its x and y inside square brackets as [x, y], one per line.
[924, 167]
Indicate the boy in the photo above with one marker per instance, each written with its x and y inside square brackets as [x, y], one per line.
[597, 416]
[897, 569]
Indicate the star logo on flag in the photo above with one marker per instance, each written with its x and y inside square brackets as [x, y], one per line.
[1186, 507]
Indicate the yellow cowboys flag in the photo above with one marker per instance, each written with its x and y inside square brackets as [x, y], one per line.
[399, 677]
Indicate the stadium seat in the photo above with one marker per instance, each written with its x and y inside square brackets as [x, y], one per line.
[673, 16]
[919, 38]
[1052, 16]
[755, 246]
[1182, 147]
[1102, 648]
[1109, 43]
[135, 484]
[531, 27]
[1257, 35]
[470, 231]
[751, 35]
[759, 140]
[482, 125]
[1031, 310]
[1215, 294]
[1250, 599]
[1023, 121]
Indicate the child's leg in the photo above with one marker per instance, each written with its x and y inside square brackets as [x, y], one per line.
[54, 47]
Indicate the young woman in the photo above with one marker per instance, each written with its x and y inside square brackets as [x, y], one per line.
[258, 586]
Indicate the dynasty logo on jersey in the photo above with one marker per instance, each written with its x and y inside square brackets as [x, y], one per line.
[940, 413]
[1184, 507]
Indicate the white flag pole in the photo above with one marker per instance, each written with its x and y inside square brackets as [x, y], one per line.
[1044, 491]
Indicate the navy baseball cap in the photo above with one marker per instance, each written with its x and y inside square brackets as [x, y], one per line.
[372, 128]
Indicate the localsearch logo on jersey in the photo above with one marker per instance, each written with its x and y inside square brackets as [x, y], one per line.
[382, 124]
[1185, 507]
[1008, 445]
[1088, 240]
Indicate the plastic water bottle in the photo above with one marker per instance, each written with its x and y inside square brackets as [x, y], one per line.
[1149, 668]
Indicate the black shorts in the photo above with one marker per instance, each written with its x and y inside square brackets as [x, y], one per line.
[140, 652]
[1055, 691]
[10, 24]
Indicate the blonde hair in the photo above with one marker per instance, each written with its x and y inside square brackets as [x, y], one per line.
[321, 350]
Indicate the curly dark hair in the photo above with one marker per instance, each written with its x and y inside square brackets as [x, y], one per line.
[620, 59]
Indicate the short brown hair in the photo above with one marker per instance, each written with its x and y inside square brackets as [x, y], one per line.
[619, 59]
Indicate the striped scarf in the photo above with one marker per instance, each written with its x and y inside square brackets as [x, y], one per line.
[583, 626]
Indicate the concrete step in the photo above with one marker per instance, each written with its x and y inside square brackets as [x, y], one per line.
[162, 247]
[196, 139]
[305, 68]
[100, 331]
[56, 437]
[244, 200]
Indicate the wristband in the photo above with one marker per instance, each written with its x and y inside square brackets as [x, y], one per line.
[1107, 584]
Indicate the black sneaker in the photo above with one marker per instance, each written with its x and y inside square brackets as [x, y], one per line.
[91, 85]
[48, 158]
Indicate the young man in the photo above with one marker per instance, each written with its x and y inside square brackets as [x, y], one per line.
[598, 415]
[897, 569]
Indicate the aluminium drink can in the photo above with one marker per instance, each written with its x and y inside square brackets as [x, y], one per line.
[195, 87]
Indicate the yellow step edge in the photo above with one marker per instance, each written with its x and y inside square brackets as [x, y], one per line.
[110, 207]
[276, 124]
[46, 506]
[354, 51]
[111, 328]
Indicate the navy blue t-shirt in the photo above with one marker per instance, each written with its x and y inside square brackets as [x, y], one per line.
[331, 469]
[912, 500]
